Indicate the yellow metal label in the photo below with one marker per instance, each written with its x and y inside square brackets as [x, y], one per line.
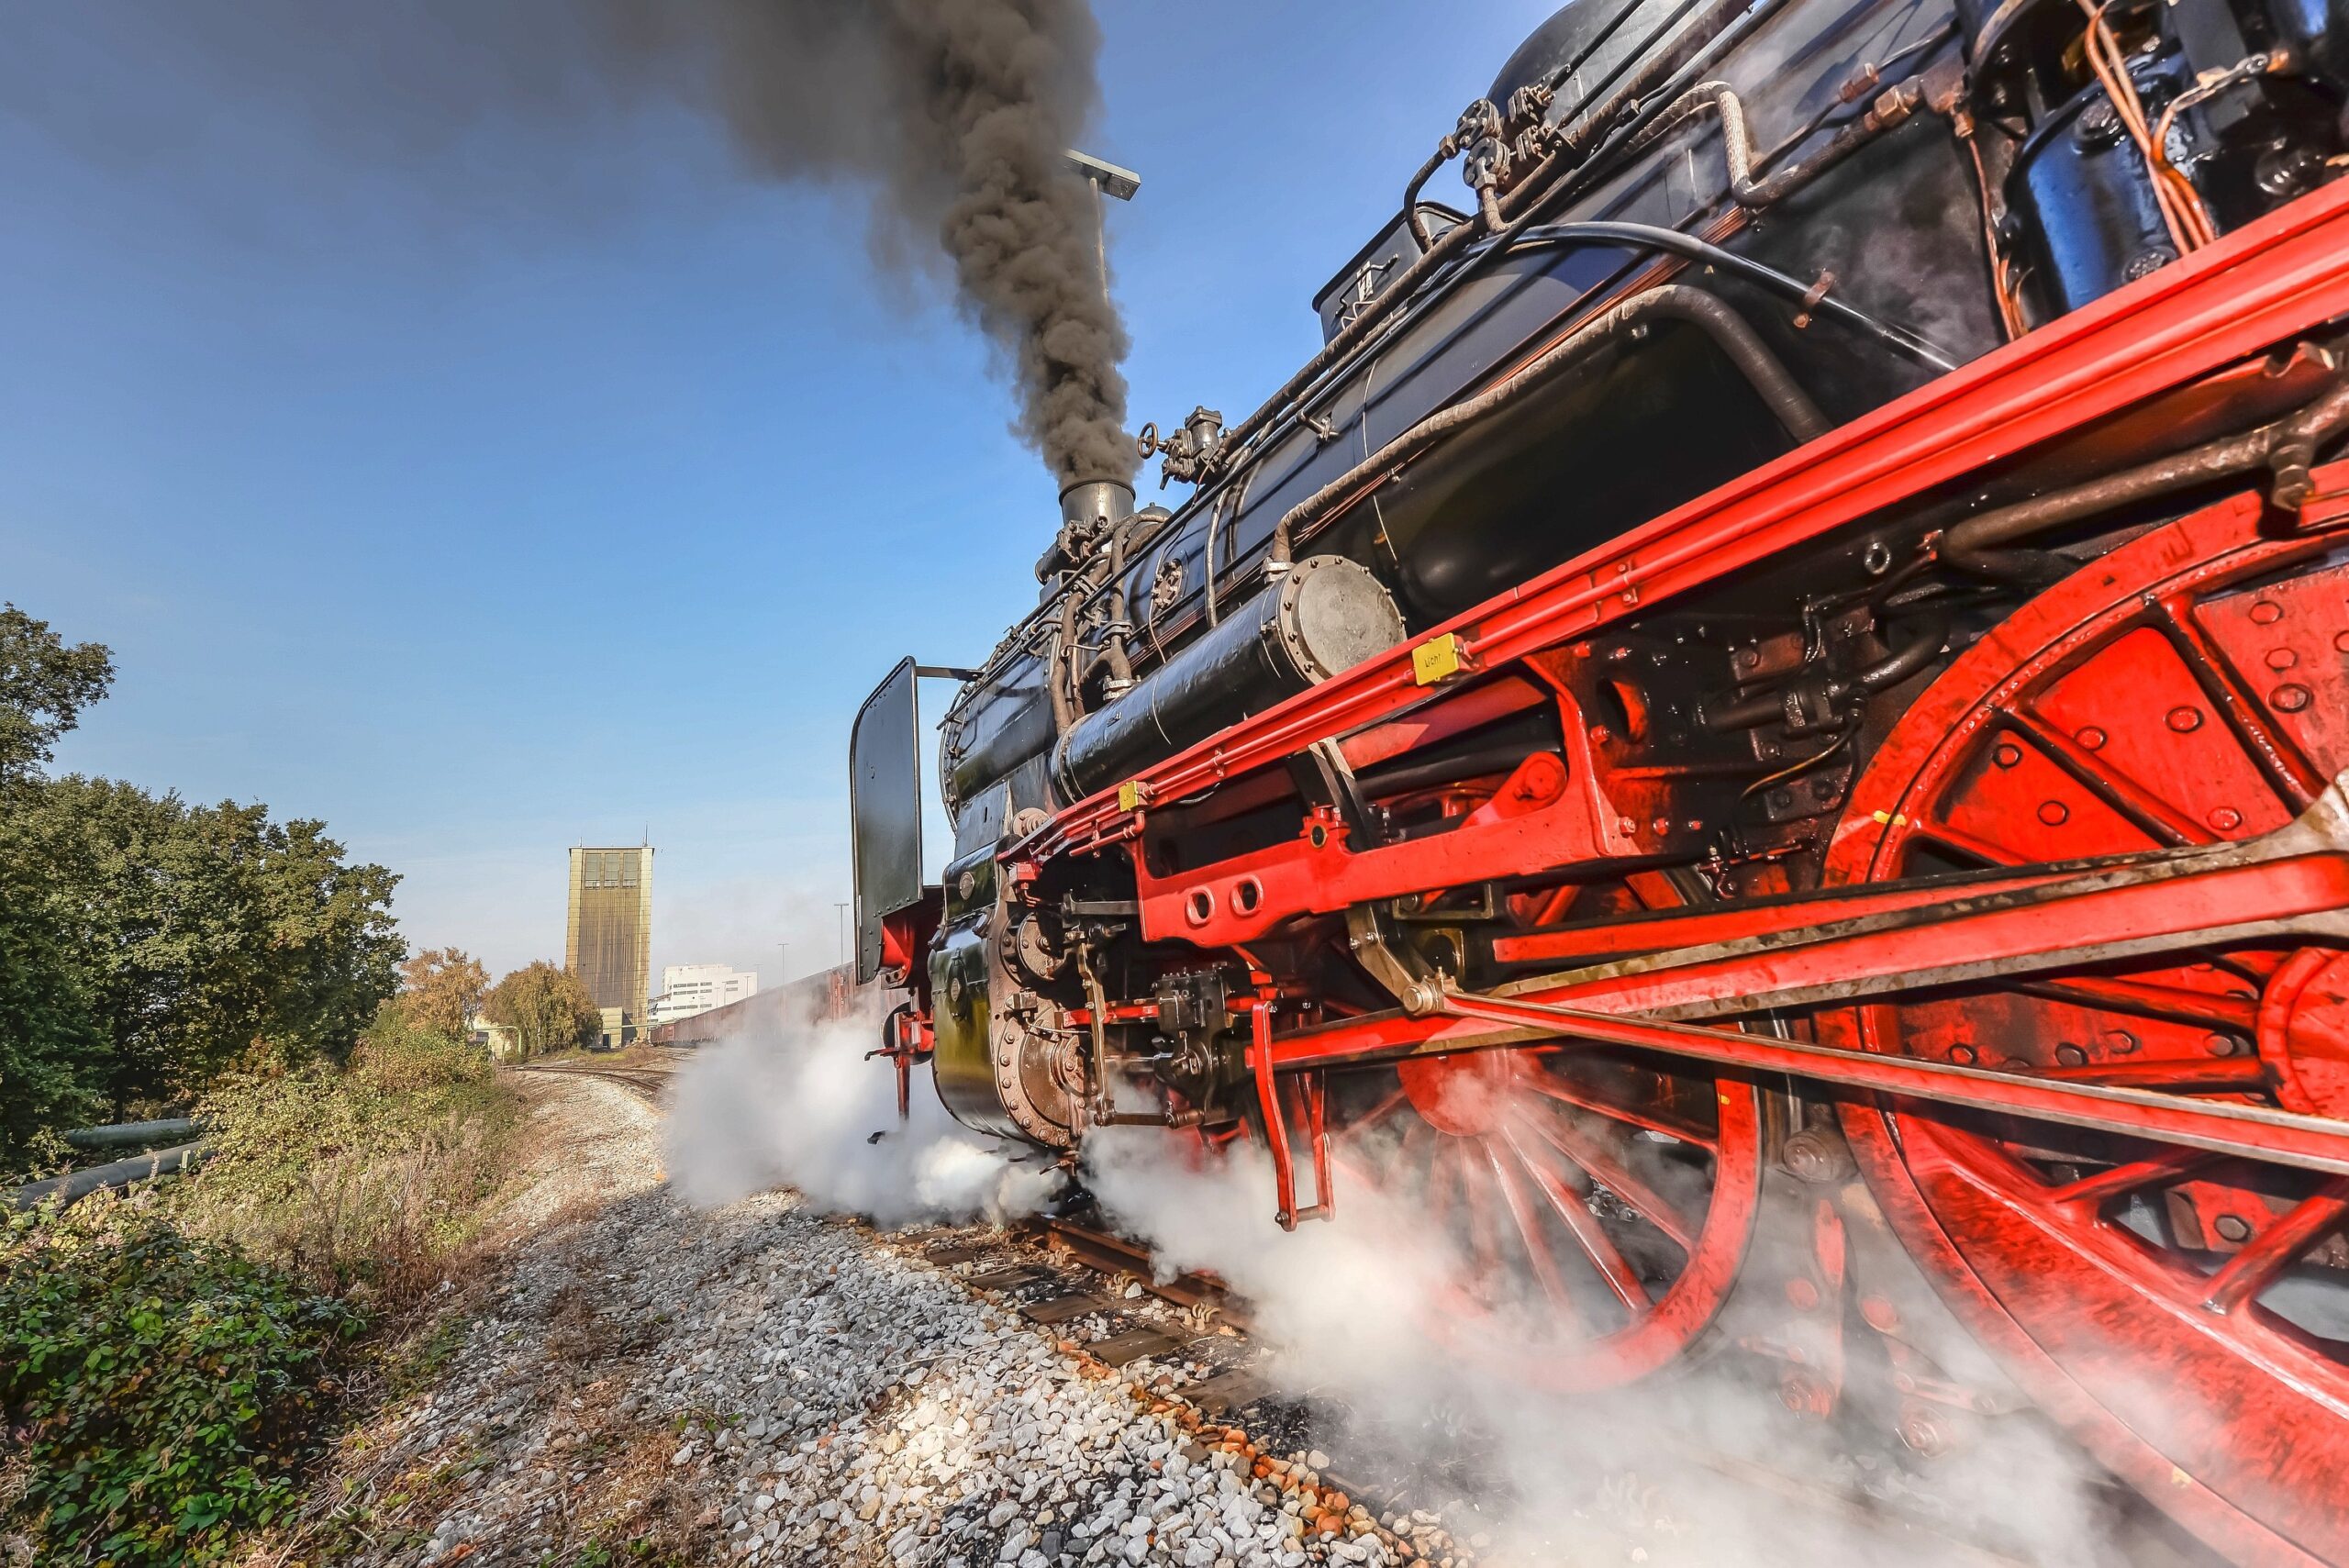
[1437, 659]
[1132, 795]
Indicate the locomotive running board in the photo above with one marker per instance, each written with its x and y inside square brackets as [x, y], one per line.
[2284, 275]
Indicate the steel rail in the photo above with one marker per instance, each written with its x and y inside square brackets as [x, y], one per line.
[2284, 275]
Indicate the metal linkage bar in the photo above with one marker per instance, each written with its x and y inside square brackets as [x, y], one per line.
[1893, 939]
[1886, 938]
[1268, 1100]
[2293, 881]
[2254, 1132]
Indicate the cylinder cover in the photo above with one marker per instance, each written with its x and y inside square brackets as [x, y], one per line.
[1326, 614]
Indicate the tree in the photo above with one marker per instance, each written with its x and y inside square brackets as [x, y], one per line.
[193, 935]
[49, 1034]
[547, 1008]
[49, 1040]
[146, 944]
[44, 687]
[442, 988]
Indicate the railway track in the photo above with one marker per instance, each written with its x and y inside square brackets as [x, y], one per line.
[1191, 1346]
[1201, 1363]
[645, 1078]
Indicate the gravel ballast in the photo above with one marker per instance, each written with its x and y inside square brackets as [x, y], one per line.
[761, 1384]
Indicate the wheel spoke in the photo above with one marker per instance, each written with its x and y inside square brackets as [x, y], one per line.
[1443, 1185]
[2160, 820]
[1557, 1129]
[1484, 1229]
[1613, 1268]
[1505, 1164]
[2298, 782]
[1415, 1153]
[2198, 648]
[2170, 1165]
[2273, 1250]
[2174, 1004]
[1650, 1121]
[1381, 1111]
[1350, 1171]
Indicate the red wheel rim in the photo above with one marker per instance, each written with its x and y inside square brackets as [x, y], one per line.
[2190, 686]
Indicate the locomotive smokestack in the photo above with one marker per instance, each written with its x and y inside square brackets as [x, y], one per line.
[1090, 508]
[1094, 506]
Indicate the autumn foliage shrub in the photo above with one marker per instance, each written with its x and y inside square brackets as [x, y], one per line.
[158, 1389]
[363, 1179]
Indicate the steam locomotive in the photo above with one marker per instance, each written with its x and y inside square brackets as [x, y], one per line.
[1756, 735]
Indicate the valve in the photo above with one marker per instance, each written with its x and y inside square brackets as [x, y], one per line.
[1191, 453]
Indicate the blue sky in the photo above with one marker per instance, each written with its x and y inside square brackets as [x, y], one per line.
[482, 489]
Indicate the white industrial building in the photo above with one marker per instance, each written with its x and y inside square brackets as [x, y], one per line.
[690, 988]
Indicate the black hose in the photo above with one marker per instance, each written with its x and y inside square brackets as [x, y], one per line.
[1909, 654]
[1650, 237]
[1548, 182]
[1677, 302]
[1856, 88]
[1639, 57]
[1579, 161]
[1558, 79]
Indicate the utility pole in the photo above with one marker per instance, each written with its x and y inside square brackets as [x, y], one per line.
[782, 962]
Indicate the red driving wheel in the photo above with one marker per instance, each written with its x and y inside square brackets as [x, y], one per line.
[1600, 1202]
[2186, 1316]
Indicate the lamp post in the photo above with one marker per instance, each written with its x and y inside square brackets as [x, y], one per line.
[843, 908]
[1107, 180]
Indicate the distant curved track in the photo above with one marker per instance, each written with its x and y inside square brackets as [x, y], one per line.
[645, 1079]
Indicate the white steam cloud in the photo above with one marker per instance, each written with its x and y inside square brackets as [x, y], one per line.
[800, 1107]
[1687, 1469]
[1699, 1467]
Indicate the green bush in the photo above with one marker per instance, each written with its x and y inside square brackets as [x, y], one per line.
[163, 1386]
[363, 1178]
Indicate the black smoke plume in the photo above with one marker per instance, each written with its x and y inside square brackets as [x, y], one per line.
[958, 111]
[951, 114]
